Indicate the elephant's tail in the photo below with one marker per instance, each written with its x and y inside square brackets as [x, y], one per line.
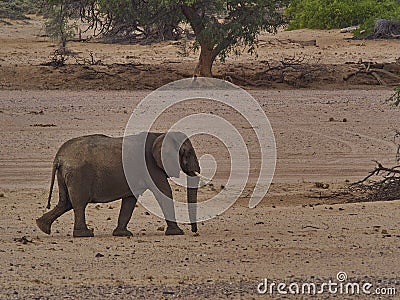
[53, 176]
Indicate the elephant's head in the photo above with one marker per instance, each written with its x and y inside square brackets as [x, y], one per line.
[173, 152]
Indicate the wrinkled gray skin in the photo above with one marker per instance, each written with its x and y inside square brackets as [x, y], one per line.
[89, 169]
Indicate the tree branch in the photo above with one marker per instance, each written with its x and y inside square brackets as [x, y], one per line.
[194, 19]
[380, 168]
[225, 43]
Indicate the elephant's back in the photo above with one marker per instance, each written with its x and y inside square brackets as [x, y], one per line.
[97, 148]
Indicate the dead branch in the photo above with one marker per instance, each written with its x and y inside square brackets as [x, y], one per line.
[386, 73]
[58, 60]
[373, 70]
[296, 70]
[85, 61]
[378, 78]
[384, 29]
[326, 226]
[397, 136]
[388, 172]
[387, 188]
[348, 76]
[240, 78]
[292, 61]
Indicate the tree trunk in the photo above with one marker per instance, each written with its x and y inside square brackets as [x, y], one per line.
[385, 29]
[207, 54]
[204, 65]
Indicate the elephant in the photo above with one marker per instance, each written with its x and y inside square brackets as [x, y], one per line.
[90, 169]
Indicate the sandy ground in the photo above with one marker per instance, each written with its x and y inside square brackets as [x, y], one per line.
[282, 238]
[294, 235]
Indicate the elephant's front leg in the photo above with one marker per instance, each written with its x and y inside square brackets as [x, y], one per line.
[163, 195]
[125, 214]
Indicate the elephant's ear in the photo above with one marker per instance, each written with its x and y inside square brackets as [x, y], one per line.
[166, 154]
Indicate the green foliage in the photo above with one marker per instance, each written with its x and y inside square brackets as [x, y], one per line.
[327, 14]
[58, 25]
[221, 26]
[15, 9]
[131, 18]
[395, 98]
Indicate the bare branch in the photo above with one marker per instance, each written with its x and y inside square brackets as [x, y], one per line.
[379, 169]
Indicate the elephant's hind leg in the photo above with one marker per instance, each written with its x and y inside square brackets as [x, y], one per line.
[45, 221]
[64, 205]
[80, 228]
[125, 214]
[79, 202]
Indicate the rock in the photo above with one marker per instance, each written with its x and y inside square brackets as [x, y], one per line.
[99, 254]
[322, 185]
[24, 240]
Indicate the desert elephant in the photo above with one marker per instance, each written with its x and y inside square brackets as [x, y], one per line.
[90, 170]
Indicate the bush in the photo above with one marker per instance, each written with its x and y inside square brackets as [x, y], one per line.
[328, 14]
[15, 9]
[395, 99]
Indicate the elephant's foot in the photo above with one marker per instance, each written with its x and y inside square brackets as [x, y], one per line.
[174, 230]
[122, 232]
[44, 225]
[83, 233]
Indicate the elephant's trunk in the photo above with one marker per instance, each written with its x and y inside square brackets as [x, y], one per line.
[192, 184]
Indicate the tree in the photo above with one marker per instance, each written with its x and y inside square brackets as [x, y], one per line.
[59, 14]
[221, 26]
[16, 9]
